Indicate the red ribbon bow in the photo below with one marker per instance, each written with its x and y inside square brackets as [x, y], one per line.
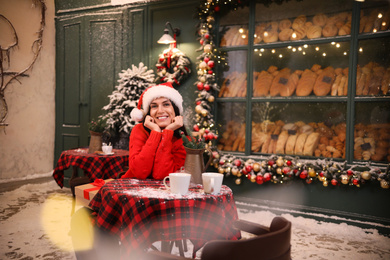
[98, 182]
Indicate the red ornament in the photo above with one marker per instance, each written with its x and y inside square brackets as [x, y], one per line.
[259, 179]
[198, 102]
[289, 163]
[205, 137]
[303, 174]
[221, 162]
[349, 172]
[243, 171]
[355, 181]
[334, 182]
[308, 181]
[249, 177]
[210, 72]
[207, 131]
[201, 42]
[237, 162]
[206, 59]
[210, 136]
[210, 64]
[207, 87]
[207, 36]
[196, 128]
[267, 177]
[286, 170]
[271, 162]
[161, 59]
[217, 8]
[200, 86]
[321, 174]
[248, 168]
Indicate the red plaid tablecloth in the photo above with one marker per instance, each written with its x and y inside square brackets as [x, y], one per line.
[94, 165]
[141, 212]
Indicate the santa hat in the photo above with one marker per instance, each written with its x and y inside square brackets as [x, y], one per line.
[163, 90]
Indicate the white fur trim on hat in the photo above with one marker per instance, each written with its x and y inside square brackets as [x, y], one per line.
[161, 91]
[137, 114]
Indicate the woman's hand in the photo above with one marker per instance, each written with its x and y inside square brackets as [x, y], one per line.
[149, 123]
[177, 122]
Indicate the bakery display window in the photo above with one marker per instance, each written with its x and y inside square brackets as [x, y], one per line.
[303, 129]
[373, 69]
[374, 17]
[232, 127]
[234, 80]
[301, 20]
[312, 80]
[301, 70]
[372, 131]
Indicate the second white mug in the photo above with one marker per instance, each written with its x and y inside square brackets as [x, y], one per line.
[212, 182]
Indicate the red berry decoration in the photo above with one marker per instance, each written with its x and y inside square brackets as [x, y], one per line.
[334, 182]
[200, 86]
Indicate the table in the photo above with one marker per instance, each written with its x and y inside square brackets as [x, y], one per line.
[95, 166]
[141, 212]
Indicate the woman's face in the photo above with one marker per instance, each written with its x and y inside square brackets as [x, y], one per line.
[161, 110]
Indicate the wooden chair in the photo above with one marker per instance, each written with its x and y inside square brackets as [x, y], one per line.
[267, 243]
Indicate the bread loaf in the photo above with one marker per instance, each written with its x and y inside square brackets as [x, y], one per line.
[281, 142]
[306, 83]
[314, 31]
[324, 82]
[279, 82]
[320, 19]
[300, 143]
[290, 144]
[329, 30]
[262, 84]
[285, 34]
[311, 144]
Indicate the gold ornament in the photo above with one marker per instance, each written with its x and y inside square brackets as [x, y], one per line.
[325, 183]
[198, 109]
[207, 48]
[384, 184]
[253, 178]
[366, 175]
[312, 172]
[279, 170]
[238, 181]
[211, 99]
[235, 170]
[344, 179]
[204, 112]
[256, 167]
[221, 170]
[280, 162]
[239, 174]
[228, 170]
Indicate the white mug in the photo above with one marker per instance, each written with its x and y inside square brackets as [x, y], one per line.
[107, 149]
[179, 182]
[212, 182]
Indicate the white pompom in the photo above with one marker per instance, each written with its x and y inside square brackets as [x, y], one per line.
[137, 114]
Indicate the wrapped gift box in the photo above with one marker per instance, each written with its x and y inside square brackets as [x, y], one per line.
[85, 193]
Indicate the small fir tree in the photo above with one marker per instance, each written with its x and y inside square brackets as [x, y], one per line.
[124, 98]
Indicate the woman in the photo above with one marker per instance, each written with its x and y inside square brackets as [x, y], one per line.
[156, 148]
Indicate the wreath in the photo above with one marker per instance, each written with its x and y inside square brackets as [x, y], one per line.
[173, 66]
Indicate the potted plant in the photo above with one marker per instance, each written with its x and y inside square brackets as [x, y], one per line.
[96, 128]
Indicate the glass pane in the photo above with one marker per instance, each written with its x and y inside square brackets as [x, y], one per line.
[233, 28]
[231, 121]
[372, 131]
[306, 70]
[234, 79]
[298, 20]
[375, 16]
[373, 71]
[303, 129]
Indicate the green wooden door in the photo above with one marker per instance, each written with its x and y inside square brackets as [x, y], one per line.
[88, 62]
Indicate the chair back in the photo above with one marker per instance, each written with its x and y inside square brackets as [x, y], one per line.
[273, 244]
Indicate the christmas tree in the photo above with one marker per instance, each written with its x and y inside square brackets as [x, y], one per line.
[124, 98]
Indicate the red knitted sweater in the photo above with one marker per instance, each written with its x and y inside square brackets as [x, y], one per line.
[154, 155]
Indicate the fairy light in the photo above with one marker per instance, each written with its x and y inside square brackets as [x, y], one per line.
[241, 30]
[265, 34]
[280, 56]
[299, 48]
[305, 46]
[380, 15]
[317, 48]
[243, 36]
[333, 43]
[383, 24]
[338, 45]
[294, 49]
[324, 54]
[304, 53]
[273, 51]
[374, 30]
[345, 53]
[294, 35]
[360, 49]
[256, 50]
[289, 47]
[262, 50]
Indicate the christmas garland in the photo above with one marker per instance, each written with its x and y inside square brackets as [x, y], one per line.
[173, 66]
[274, 169]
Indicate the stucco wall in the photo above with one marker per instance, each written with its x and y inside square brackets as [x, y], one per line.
[27, 144]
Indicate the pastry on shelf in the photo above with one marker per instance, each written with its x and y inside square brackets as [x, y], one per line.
[324, 82]
[306, 83]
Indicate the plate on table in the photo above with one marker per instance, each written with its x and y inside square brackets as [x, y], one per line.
[101, 153]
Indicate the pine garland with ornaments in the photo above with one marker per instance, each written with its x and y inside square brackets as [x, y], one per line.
[276, 168]
[281, 169]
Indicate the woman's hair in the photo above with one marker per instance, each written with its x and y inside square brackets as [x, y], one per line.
[177, 113]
